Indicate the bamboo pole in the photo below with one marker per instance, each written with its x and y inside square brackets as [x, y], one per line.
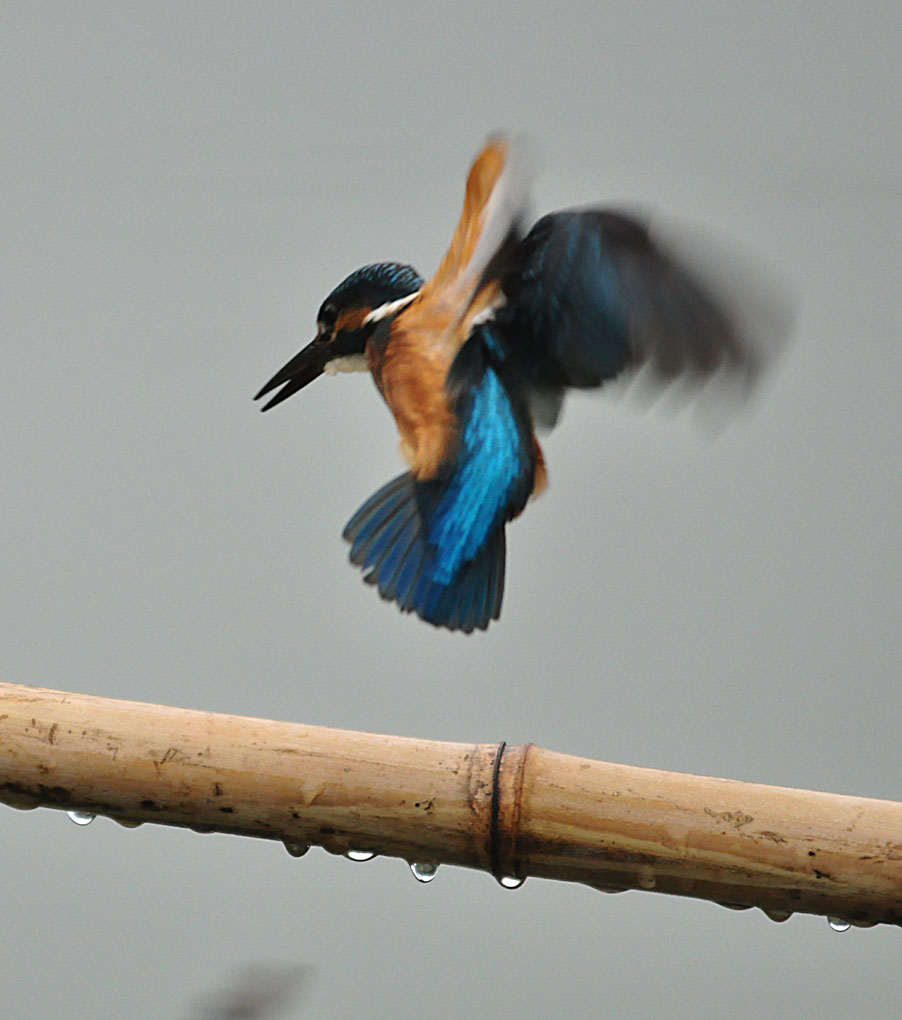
[514, 811]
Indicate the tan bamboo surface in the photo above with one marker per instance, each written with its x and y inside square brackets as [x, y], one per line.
[512, 811]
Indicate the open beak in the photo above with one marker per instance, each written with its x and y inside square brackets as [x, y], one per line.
[303, 368]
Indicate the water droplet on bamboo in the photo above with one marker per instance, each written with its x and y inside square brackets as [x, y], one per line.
[360, 855]
[511, 881]
[296, 849]
[838, 924]
[779, 915]
[424, 871]
[81, 817]
[128, 823]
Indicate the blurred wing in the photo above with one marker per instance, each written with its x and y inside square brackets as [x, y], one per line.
[411, 368]
[593, 295]
[494, 204]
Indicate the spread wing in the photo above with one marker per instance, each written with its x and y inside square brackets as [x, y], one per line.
[591, 295]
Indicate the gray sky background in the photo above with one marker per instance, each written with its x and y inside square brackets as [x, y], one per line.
[182, 184]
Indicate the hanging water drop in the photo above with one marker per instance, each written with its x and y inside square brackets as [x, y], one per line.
[511, 881]
[296, 849]
[127, 823]
[81, 817]
[778, 915]
[20, 805]
[838, 924]
[424, 871]
[360, 855]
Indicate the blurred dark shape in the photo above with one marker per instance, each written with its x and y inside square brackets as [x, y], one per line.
[259, 992]
[757, 301]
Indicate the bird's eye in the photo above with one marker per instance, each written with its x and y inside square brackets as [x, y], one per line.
[326, 318]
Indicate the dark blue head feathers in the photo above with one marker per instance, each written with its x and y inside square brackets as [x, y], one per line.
[371, 287]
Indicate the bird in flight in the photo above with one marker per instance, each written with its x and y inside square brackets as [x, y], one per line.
[471, 361]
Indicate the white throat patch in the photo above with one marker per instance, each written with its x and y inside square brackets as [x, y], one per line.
[347, 363]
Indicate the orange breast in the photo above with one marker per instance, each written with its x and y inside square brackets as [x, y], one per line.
[411, 376]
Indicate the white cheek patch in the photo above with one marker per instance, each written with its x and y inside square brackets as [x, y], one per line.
[393, 306]
[347, 363]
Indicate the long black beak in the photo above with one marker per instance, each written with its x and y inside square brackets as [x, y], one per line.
[303, 368]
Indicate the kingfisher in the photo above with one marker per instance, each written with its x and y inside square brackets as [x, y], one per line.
[473, 360]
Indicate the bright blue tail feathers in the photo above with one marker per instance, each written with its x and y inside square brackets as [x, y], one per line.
[436, 547]
[387, 542]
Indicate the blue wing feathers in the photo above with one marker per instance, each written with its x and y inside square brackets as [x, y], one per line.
[493, 463]
[591, 294]
[567, 302]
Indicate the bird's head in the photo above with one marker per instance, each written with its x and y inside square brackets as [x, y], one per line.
[345, 322]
